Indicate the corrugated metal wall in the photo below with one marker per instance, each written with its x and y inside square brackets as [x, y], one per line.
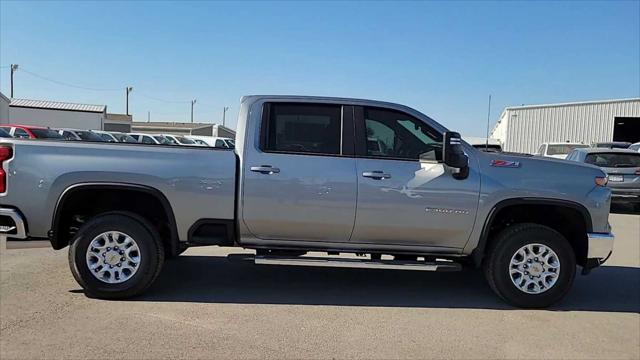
[528, 127]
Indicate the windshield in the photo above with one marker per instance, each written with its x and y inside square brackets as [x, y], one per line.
[46, 134]
[125, 138]
[560, 149]
[184, 140]
[613, 160]
[163, 140]
[4, 133]
[89, 136]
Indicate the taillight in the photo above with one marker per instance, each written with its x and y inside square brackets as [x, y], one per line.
[5, 154]
[601, 180]
[638, 172]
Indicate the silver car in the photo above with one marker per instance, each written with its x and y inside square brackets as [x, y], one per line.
[622, 167]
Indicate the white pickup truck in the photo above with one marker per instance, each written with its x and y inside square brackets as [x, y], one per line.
[312, 174]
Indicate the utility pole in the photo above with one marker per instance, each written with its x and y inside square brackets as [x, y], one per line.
[192, 102]
[224, 113]
[14, 67]
[128, 89]
[148, 116]
[488, 120]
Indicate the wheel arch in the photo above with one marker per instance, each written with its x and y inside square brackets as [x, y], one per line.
[580, 245]
[59, 241]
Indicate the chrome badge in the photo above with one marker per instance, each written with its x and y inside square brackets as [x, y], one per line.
[447, 211]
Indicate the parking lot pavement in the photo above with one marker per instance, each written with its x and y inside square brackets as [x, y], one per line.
[205, 306]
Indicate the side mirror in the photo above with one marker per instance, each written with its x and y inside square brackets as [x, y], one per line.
[454, 156]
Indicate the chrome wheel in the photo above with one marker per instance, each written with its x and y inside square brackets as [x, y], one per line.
[534, 268]
[113, 257]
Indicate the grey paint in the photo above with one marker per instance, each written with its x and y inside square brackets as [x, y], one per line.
[197, 182]
[316, 201]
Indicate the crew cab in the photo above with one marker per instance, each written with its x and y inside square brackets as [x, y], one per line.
[312, 174]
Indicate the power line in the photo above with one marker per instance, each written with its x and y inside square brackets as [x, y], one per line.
[22, 69]
[164, 100]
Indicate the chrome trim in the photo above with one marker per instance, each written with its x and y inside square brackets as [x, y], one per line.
[600, 245]
[358, 264]
[21, 232]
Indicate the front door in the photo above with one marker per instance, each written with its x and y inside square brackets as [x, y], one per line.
[406, 195]
[299, 183]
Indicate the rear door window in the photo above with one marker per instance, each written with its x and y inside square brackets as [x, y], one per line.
[303, 128]
[147, 140]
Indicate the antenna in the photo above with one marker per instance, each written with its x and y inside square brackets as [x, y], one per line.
[488, 119]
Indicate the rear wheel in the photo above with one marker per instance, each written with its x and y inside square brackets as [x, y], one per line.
[115, 256]
[530, 265]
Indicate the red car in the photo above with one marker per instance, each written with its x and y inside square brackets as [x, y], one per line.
[30, 132]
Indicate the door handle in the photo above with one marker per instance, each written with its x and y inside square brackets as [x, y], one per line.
[376, 175]
[265, 169]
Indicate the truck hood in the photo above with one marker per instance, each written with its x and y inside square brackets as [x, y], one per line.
[521, 175]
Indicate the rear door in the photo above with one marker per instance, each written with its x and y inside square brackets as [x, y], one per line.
[300, 183]
[406, 196]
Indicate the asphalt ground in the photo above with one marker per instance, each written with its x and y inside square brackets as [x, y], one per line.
[205, 306]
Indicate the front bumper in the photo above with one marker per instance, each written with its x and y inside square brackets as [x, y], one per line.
[600, 248]
[12, 224]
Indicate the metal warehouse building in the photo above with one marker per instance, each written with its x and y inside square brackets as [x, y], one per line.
[57, 114]
[524, 128]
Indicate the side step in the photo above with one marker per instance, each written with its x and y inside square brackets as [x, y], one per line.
[352, 263]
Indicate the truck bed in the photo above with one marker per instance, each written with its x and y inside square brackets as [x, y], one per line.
[198, 182]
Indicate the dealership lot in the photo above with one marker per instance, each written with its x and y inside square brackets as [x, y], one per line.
[206, 306]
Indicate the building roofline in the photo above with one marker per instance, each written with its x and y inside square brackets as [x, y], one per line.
[570, 104]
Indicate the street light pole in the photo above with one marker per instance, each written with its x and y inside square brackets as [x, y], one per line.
[192, 102]
[14, 67]
[128, 89]
[224, 113]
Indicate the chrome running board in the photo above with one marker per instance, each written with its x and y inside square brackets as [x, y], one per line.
[358, 264]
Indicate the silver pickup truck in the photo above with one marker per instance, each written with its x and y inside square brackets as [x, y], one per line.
[312, 178]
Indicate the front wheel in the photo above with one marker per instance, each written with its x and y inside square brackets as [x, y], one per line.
[115, 256]
[530, 265]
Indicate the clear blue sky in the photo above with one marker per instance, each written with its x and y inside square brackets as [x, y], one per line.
[443, 58]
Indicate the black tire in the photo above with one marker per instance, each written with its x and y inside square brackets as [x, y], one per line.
[151, 255]
[497, 264]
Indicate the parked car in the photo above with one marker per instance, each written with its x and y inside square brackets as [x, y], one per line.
[106, 136]
[151, 139]
[622, 167]
[612, 145]
[301, 173]
[558, 150]
[80, 135]
[122, 137]
[180, 140]
[482, 144]
[635, 147]
[4, 133]
[214, 141]
[30, 132]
